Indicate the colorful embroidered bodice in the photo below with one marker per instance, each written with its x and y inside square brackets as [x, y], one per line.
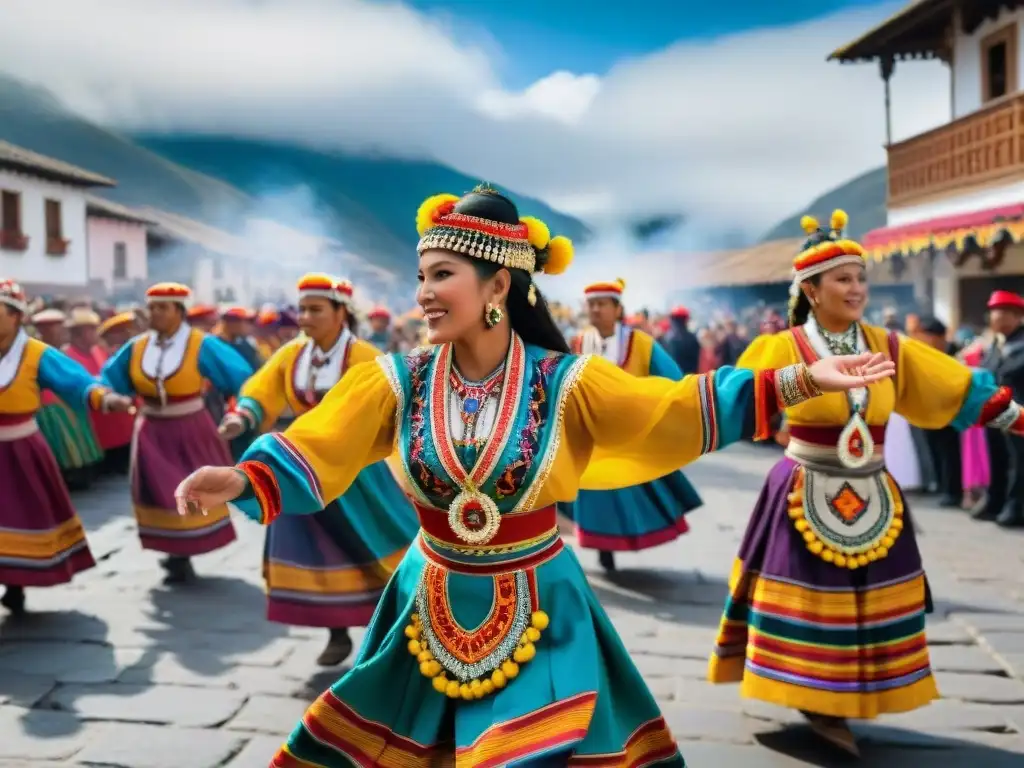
[522, 443]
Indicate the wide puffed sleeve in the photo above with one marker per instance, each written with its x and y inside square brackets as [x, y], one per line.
[263, 396]
[641, 429]
[69, 380]
[935, 390]
[223, 366]
[770, 350]
[319, 455]
[117, 371]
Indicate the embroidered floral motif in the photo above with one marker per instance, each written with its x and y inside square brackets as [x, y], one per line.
[418, 363]
[512, 478]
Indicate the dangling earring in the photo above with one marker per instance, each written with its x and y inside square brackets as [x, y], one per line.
[492, 315]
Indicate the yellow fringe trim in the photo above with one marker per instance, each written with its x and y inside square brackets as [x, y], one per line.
[797, 509]
[480, 687]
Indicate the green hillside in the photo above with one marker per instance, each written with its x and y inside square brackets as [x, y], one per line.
[863, 198]
[371, 200]
[32, 118]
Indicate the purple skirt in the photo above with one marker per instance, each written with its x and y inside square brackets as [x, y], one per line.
[164, 452]
[804, 633]
[42, 541]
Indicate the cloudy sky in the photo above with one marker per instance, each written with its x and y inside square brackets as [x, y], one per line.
[607, 110]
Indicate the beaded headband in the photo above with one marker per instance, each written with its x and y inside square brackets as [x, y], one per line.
[516, 246]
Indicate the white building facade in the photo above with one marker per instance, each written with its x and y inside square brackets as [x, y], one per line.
[956, 193]
[43, 234]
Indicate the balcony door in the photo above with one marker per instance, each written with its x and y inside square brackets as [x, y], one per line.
[999, 63]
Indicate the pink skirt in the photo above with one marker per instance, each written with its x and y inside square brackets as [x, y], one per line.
[976, 473]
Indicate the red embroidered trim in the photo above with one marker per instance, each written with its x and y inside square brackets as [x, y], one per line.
[1017, 428]
[470, 646]
[265, 488]
[476, 224]
[803, 345]
[995, 405]
[766, 403]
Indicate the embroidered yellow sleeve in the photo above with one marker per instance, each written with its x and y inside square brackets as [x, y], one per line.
[627, 430]
[351, 428]
[771, 350]
[931, 387]
[266, 387]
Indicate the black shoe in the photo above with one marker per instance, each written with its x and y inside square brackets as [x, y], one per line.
[986, 511]
[338, 648]
[14, 600]
[178, 570]
[949, 502]
[607, 560]
[1012, 516]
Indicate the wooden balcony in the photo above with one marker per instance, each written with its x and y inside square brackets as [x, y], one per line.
[982, 149]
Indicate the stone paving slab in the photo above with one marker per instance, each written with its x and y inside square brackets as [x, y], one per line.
[149, 746]
[117, 670]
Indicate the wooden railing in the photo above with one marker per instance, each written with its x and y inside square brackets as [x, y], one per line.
[978, 149]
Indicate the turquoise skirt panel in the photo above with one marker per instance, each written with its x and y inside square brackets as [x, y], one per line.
[579, 701]
[635, 518]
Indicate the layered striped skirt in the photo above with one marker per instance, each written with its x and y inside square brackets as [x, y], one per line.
[804, 633]
[70, 436]
[329, 569]
[42, 541]
[168, 445]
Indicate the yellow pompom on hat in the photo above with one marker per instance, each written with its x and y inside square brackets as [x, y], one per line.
[451, 223]
[606, 289]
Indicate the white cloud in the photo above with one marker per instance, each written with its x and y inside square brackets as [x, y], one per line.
[739, 131]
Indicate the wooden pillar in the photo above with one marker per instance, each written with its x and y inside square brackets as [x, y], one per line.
[888, 66]
[950, 55]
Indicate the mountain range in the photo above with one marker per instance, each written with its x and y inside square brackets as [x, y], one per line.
[366, 202]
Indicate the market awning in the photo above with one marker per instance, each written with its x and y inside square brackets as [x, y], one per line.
[984, 228]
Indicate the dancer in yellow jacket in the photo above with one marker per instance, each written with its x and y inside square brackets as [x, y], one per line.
[828, 595]
[330, 568]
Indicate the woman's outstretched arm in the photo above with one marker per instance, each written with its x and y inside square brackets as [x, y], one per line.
[314, 461]
[642, 429]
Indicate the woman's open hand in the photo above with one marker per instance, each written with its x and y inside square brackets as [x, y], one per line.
[208, 487]
[844, 372]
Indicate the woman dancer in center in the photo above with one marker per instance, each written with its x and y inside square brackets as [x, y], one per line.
[643, 516]
[330, 568]
[828, 596]
[488, 646]
[174, 434]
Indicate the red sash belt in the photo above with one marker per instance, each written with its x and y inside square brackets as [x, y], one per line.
[13, 419]
[829, 436]
[516, 528]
